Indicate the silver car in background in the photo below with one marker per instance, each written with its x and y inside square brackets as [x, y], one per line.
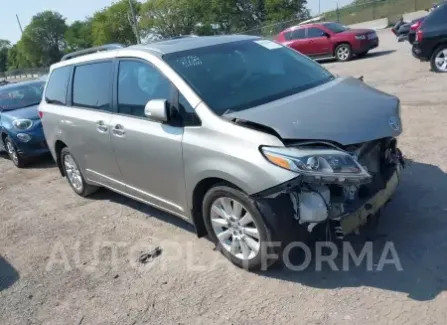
[248, 140]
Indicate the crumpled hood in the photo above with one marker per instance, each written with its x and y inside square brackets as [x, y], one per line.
[344, 110]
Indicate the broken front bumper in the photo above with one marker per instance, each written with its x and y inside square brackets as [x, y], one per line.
[350, 223]
[280, 213]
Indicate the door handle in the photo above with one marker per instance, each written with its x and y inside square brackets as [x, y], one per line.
[118, 130]
[101, 126]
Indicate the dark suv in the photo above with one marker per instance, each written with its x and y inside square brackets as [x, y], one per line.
[431, 39]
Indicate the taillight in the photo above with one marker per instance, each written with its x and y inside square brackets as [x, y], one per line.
[415, 26]
[419, 35]
[40, 114]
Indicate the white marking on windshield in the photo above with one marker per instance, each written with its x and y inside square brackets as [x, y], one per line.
[268, 44]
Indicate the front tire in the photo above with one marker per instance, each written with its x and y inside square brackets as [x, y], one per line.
[13, 154]
[237, 228]
[439, 60]
[74, 176]
[343, 52]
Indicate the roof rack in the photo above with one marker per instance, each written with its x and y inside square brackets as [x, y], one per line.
[91, 50]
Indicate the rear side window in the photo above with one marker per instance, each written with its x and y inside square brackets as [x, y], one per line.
[56, 92]
[298, 34]
[92, 86]
[438, 16]
[295, 34]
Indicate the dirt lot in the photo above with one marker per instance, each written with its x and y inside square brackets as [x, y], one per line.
[68, 260]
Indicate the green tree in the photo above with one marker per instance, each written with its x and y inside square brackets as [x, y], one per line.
[4, 48]
[243, 15]
[283, 10]
[170, 18]
[12, 58]
[78, 36]
[43, 39]
[17, 58]
[113, 24]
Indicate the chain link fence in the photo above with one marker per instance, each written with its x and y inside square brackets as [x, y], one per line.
[23, 74]
[377, 9]
[352, 14]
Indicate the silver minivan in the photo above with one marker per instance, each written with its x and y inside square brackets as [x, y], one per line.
[253, 143]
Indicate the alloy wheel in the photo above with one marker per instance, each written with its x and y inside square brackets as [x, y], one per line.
[441, 60]
[12, 152]
[235, 228]
[73, 173]
[343, 53]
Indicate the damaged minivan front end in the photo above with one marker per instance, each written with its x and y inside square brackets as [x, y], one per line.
[341, 141]
[342, 187]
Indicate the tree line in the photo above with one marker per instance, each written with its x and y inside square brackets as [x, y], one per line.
[48, 36]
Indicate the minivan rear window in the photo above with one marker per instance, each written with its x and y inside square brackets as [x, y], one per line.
[92, 85]
[56, 92]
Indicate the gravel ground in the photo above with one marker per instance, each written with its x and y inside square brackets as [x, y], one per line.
[68, 260]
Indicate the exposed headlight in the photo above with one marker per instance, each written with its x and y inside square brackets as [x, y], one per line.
[360, 37]
[22, 124]
[329, 165]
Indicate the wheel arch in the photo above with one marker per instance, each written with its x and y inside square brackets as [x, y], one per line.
[338, 43]
[201, 188]
[3, 136]
[58, 146]
[437, 47]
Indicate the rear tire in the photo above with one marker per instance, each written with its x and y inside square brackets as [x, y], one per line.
[439, 59]
[237, 228]
[343, 52]
[74, 175]
[15, 157]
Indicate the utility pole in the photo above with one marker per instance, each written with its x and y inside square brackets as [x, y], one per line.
[134, 20]
[20, 25]
[338, 13]
[319, 7]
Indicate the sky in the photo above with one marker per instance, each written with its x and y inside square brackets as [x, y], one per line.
[79, 9]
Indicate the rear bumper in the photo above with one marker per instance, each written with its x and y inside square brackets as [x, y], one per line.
[419, 53]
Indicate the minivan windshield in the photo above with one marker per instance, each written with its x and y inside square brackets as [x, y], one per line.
[238, 75]
[20, 96]
[336, 28]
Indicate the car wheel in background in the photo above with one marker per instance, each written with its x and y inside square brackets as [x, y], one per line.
[343, 52]
[237, 228]
[361, 55]
[439, 59]
[74, 175]
[15, 157]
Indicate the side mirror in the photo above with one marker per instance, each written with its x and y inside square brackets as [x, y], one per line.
[327, 35]
[157, 110]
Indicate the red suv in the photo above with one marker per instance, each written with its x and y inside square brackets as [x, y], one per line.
[327, 39]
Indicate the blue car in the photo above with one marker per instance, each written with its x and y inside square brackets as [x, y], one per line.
[21, 130]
